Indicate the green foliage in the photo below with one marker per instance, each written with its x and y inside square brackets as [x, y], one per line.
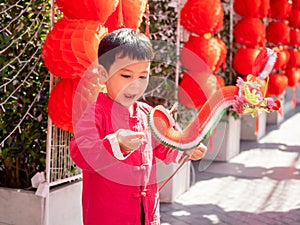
[24, 90]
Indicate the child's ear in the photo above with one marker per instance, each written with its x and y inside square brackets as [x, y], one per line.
[103, 74]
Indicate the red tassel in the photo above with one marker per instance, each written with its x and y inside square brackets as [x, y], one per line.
[147, 20]
[294, 101]
[257, 124]
[120, 15]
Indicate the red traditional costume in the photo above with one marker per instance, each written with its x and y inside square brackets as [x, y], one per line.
[116, 184]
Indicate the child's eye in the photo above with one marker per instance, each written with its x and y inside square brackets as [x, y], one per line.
[143, 77]
[125, 76]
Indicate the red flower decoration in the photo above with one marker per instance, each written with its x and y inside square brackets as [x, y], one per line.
[278, 33]
[252, 8]
[244, 59]
[195, 12]
[60, 103]
[128, 14]
[293, 75]
[277, 84]
[211, 50]
[250, 32]
[72, 46]
[280, 9]
[98, 10]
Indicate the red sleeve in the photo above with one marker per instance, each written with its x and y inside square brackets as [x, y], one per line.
[87, 149]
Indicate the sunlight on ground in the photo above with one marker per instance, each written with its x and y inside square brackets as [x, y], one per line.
[181, 213]
[213, 218]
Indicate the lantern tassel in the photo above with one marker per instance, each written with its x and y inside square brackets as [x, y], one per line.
[294, 100]
[120, 15]
[147, 10]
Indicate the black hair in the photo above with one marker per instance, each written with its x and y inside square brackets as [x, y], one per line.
[124, 42]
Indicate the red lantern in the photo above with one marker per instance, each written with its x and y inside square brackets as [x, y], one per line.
[98, 10]
[293, 75]
[250, 32]
[244, 59]
[277, 84]
[128, 14]
[294, 19]
[209, 49]
[283, 57]
[278, 33]
[294, 60]
[222, 58]
[60, 103]
[252, 8]
[280, 9]
[296, 4]
[294, 37]
[72, 46]
[195, 89]
[195, 12]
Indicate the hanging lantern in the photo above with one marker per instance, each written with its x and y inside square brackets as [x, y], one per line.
[294, 18]
[283, 57]
[277, 84]
[250, 32]
[222, 59]
[280, 9]
[293, 75]
[195, 12]
[278, 33]
[97, 10]
[244, 59]
[294, 60]
[296, 4]
[294, 37]
[195, 89]
[211, 50]
[60, 103]
[252, 8]
[72, 46]
[128, 14]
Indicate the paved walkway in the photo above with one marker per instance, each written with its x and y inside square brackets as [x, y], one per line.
[260, 186]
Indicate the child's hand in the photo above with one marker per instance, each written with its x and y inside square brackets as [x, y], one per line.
[130, 140]
[198, 152]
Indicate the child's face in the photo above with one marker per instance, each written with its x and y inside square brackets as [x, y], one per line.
[127, 80]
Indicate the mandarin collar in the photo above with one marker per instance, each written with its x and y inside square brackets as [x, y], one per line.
[104, 100]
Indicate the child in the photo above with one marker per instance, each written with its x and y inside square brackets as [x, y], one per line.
[113, 145]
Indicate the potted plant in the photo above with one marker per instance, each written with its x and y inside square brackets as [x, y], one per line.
[24, 91]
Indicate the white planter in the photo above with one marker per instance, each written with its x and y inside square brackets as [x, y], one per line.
[298, 93]
[248, 126]
[179, 184]
[288, 100]
[275, 118]
[20, 207]
[224, 142]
